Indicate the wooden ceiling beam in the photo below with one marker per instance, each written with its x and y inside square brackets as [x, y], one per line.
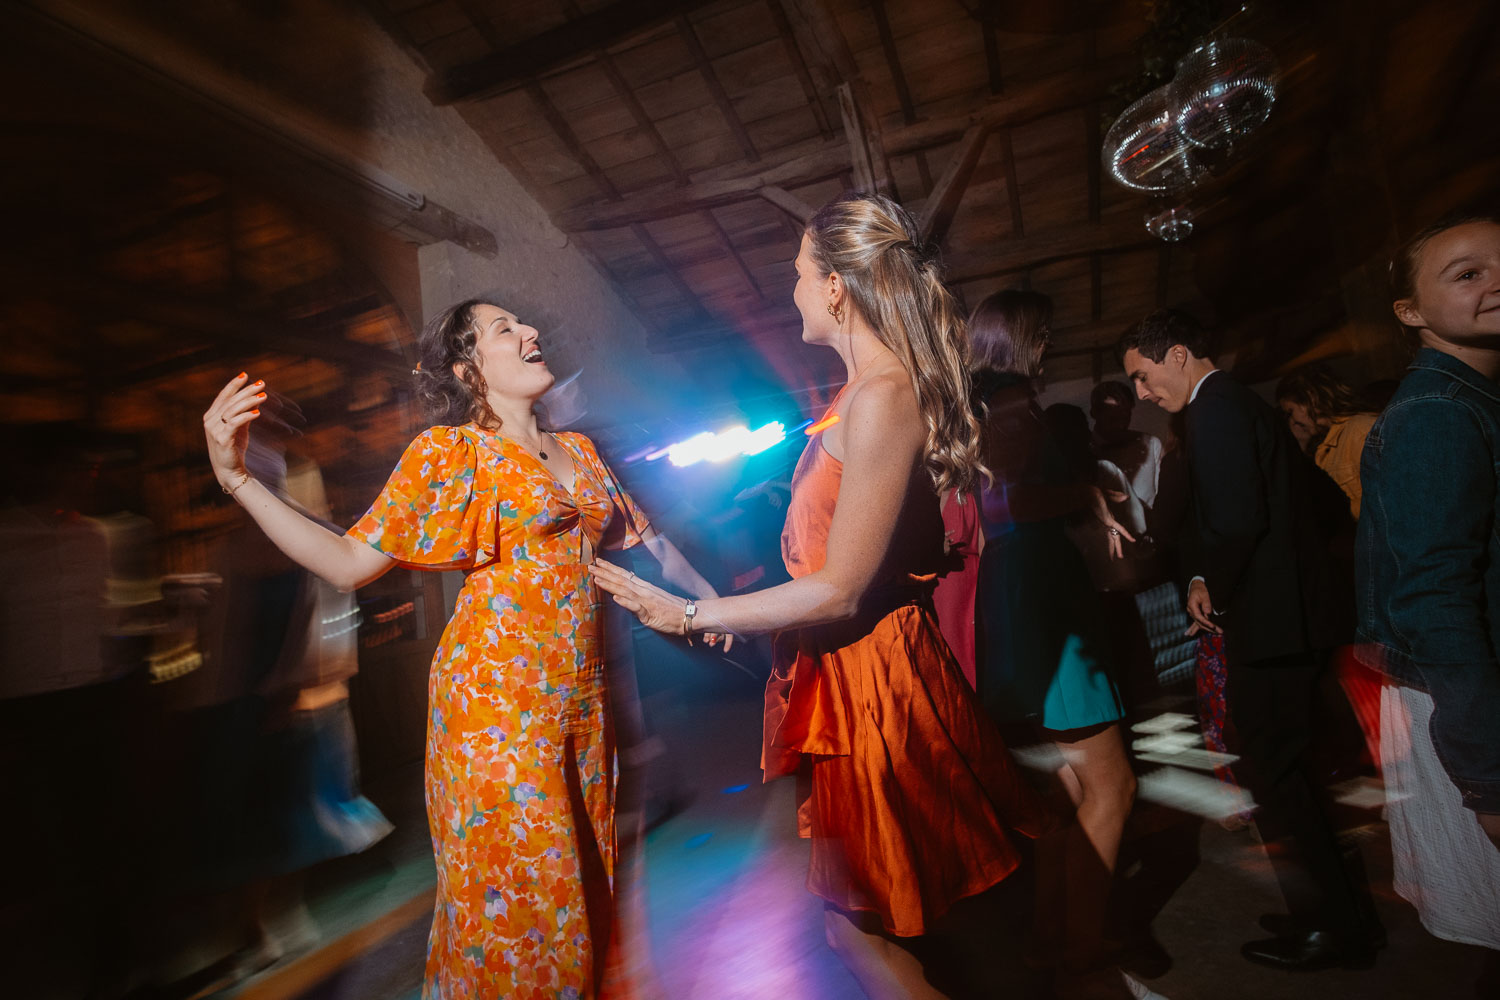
[893, 61]
[799, 66]
[1047, 96]
[872, 173]
[942, 203]
[1086, 338]
[1116, 235]
[513, 66]
[648, 127]
[1012, 183]
[716, 88]
[577, 150]
[818, 31]
[664, 203]
[898, 80]
[800, 211]
[989, 28]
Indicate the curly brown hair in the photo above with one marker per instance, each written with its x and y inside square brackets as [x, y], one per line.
[453, 398]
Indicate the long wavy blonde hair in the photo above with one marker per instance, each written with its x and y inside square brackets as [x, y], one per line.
[895, 283]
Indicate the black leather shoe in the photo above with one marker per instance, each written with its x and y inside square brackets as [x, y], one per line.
[1308, 951]
[1283, 924]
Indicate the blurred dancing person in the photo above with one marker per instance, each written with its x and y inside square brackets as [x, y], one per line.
[520, 758]
[1429, 578]
[1044, 659]
[1258, 540]
[909, 789]
[954, 596]
[1330, 422]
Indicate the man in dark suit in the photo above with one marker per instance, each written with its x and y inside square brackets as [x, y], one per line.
[1257, 548]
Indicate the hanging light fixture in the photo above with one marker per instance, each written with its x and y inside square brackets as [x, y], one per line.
[1145, 151]
[1171, 223]
[1222, 90]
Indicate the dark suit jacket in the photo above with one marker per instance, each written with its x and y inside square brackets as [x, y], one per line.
[1262, 529]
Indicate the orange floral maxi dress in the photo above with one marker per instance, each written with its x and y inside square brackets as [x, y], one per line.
[520, 755]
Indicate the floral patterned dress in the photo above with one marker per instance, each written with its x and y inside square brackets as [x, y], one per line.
[520, 755]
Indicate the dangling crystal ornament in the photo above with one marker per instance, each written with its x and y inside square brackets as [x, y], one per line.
[1145, 151]
[1223, 90]
[1171, 224]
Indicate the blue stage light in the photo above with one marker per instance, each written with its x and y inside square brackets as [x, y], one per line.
[724, 445]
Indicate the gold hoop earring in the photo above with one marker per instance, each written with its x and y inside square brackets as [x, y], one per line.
[836, 313]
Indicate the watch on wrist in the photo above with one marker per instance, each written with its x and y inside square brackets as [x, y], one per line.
[689, 610]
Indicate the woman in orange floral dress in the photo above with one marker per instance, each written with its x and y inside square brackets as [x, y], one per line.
[520, 754]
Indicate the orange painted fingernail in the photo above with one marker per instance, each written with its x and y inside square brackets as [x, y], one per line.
[260, 381]
[240, 375]
[260, 395]
[255, 413]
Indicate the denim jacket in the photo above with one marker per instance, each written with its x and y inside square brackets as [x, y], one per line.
[1429, 560]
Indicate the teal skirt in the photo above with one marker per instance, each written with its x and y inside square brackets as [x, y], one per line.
[1043, 655]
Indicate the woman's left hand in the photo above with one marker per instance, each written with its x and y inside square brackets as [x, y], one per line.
[657, 609]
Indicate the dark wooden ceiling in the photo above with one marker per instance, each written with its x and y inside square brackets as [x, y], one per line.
[681, 143]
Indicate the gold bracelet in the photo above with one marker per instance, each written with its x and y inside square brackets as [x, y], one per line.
[245, 478]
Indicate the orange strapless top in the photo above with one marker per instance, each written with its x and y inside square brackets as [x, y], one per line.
[910, 788]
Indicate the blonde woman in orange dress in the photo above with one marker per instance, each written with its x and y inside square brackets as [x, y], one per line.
[520, 755]
[911, 791]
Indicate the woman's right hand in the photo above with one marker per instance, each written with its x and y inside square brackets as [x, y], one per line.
[1118, 534]
[226, 425]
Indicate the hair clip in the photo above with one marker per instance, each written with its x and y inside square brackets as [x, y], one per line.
[417, 370]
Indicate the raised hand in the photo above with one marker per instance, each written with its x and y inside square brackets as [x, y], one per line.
[226, 425]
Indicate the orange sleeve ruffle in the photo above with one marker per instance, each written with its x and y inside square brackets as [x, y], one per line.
[438, 510]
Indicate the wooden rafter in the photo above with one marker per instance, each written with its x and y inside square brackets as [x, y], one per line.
[942, 204]
[799, 66]
[799, 210]
[716, 88]
[1021, 105]
[576, 149]
[893, 61]
[818, 31]
[866, 152]
[989, 29]
[898, 80]
[648, 128]
[1012, 183]
[1116, 235]
[510, 67]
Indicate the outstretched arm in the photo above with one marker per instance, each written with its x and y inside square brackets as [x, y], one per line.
[882, 439]
[344, 562]
[678, 572]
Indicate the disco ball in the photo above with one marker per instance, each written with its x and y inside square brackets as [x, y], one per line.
[1170, 225]
[1145, 151]
[1223, 89]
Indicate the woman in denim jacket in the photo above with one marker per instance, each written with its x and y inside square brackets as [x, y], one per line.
[1429, 581]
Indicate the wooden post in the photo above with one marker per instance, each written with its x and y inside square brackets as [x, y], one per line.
[871, 173]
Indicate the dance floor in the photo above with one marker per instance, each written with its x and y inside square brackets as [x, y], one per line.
[729, 918]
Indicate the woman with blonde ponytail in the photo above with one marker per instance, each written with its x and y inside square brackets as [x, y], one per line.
[909, 791]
